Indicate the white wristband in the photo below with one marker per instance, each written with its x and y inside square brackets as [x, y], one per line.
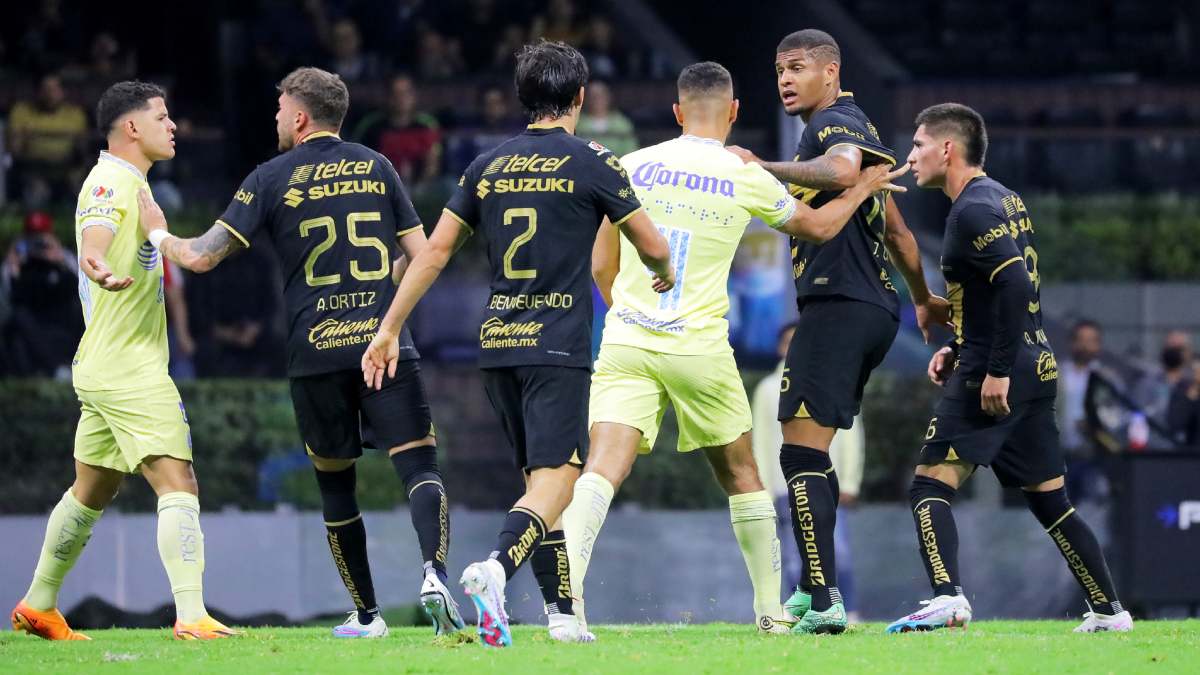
[157, 236]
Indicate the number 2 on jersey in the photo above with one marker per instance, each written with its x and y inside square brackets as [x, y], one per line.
[520, 240]
[331, 234]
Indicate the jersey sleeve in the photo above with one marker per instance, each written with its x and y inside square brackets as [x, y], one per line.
[764, 197]
[830, 128]
[102, 206]
[984, 241]
[465, 202]
[246, 212]
[407, 219]
[610, 185]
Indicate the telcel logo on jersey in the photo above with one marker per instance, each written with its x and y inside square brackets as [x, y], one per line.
[534, 163]
[495, 334]
[1183, 515]
[657, 173]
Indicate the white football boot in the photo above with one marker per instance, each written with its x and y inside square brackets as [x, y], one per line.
[1121, 622]
[944, 611]
[351, 628]
[440, 606]
[484, 583]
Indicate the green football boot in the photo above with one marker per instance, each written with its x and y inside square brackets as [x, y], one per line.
[832, 620]
[798, 604]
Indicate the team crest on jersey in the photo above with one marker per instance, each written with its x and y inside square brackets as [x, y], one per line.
[101, 192]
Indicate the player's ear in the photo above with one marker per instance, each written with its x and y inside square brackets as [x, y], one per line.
[733, 110]
[578, 102]
[831, 72]
[678, 113]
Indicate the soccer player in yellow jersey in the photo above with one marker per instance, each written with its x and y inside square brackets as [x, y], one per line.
[674, 347]
[132, 419]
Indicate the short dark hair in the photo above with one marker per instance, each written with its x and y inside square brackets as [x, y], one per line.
[817, 42]
[124, 97]
[548, 77]
[703, 78]
[960, 121]
[322, 93]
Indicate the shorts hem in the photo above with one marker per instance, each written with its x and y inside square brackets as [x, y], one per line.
[715, 443]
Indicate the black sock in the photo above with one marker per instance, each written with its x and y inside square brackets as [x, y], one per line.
[427, 505]
[937, 534]
[553, 572]
[814, 515]
[348, 539]
[522, 532]
[1078, 546]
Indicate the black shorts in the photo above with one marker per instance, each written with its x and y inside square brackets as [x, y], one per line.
[543, 410]
[1022, 447]
[838, 342]
[339, 415]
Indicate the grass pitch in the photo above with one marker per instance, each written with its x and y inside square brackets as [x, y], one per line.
[985, 647]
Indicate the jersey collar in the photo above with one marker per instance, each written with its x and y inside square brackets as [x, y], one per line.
[544, 128]
[107, 157]
[697, 139]
[318, 134]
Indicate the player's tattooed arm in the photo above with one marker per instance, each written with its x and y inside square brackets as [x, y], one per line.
[198, 254]
[824, 223]
[837, 169]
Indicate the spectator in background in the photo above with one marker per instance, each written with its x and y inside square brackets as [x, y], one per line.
[603, 123]
[558, 23]
[410, 139]
[106, 63]
[438, 57]
[234, 321]
[1084, 479]
[50, 35]
[1183, 411]
[494, 124]
[599, 50]
[504, 54]
[42, 279]
[847, 452]
[1153, 392]
[349, 61]
[47, 138]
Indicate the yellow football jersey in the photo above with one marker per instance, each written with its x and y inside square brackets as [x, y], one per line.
[125, 342]
[701, 197]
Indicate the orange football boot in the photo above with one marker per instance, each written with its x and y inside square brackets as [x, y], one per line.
[48, 624]
[207, 628]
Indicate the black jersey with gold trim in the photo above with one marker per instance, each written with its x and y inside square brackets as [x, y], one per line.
[333, 211]
[538, 200]
[989, 241]
[853, 263]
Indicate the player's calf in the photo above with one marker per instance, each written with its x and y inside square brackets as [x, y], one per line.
[347, 537]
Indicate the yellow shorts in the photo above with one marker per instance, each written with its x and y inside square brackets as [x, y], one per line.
[632, 386]
[118, 429]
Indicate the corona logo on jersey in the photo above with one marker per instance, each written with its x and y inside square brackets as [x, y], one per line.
[330, 333]
[656, 173]
[495, 334]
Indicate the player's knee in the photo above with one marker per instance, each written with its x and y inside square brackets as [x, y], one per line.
[950, 473]
[926, 487]
[327, 465]
[417, 463]
[1050, 506]
[798, 459]
[338, 502]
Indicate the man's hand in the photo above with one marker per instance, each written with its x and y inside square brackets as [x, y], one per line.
[151, 216]
[940, 366]
[663, 284]
[381, 357]
[743, 154]
[994, 396]
[98, 272]
[935, 311]
[879, 177]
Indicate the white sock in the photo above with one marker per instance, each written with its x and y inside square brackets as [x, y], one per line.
[582, 522]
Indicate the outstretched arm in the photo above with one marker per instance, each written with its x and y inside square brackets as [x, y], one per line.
[821, 225]
[94, 243]
[197, 254]
[837, 169]
[384, 351]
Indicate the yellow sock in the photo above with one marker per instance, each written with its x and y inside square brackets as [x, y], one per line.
[181, 546]
[67, 531]
[753, 518]
[582, 522]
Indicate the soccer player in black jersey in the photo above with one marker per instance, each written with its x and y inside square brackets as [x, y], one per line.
[335, 212]
[849, 310]
[999, 376]
[538, 199]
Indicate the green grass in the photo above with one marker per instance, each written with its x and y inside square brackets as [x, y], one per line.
[986, 647]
